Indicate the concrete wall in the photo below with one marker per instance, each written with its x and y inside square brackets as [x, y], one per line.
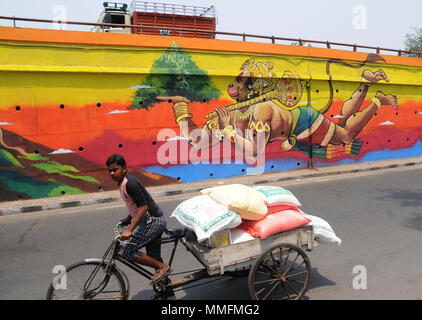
[70, 99]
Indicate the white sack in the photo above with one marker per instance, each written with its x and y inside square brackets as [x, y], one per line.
[239, 235]
[205, 216]
[322, 230]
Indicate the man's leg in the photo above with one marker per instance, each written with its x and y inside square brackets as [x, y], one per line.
[148, 261]
[147, 232]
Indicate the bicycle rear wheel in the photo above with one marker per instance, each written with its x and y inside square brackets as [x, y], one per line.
[71, 284]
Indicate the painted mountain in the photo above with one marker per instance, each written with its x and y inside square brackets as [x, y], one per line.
[29, 170]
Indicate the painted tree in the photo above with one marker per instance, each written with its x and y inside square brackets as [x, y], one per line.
[174, 74]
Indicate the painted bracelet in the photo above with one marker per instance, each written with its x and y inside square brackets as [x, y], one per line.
[230, 133]
[377, 102]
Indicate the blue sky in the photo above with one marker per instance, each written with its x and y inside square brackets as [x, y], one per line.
[381, 23]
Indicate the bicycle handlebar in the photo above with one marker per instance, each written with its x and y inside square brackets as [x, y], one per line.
[116, 230]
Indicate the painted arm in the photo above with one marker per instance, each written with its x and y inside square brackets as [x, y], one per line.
[199, 138]
[251, 145]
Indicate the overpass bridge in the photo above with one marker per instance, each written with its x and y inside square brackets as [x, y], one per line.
[72, 98]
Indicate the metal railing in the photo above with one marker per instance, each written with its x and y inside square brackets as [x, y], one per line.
[168, 8]
[243, 36]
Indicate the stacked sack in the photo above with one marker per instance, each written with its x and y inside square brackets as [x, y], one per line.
[249, 213]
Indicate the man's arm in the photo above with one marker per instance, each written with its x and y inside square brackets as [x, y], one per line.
[135, 222]
[126, 221]
[138, 218]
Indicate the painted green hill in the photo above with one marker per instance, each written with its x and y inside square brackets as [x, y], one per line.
[29, 171]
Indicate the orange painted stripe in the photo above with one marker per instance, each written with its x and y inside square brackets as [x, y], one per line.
[133, 40]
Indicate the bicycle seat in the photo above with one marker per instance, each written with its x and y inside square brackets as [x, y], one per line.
[177, 233]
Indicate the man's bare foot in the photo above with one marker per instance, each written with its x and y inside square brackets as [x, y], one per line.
[374, 77]
[387, 99]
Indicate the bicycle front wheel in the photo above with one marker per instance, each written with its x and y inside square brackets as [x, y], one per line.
[72, 283]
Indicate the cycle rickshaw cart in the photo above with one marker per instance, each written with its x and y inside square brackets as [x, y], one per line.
[278, 267]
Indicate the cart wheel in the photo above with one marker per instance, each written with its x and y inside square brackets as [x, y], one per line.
[282, 272]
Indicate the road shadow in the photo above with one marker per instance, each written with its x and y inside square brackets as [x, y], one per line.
[407, 199]
[227, 288]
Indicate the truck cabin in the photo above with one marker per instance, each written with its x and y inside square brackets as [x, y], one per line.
[115, 13]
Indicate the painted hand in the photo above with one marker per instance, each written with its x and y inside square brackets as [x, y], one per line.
[174, 99]
[223, 117]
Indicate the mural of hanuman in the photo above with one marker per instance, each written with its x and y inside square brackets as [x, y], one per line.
[266, 108]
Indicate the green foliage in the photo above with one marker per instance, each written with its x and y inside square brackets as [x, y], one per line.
[7, 159]
[413, 41]
[174, 74]
[55, 167]
[16, 181]
[64, 189]
[34, 157]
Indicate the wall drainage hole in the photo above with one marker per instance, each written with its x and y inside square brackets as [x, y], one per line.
[81, 149]
[62, 106]
[18, 108]
[98, 104]
[120, 145]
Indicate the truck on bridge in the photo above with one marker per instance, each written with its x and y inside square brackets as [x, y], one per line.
[152, 18]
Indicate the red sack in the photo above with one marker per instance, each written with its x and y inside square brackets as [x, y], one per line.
[282, 221]
[281, 206]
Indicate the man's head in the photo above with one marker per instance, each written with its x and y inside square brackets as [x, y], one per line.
[117, 168]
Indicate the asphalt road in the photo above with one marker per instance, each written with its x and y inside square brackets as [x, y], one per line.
[378, 216]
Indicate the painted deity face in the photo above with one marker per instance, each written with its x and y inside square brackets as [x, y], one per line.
[117, 172]
[238, 89]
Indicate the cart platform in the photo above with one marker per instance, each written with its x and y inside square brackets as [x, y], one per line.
[241, 256]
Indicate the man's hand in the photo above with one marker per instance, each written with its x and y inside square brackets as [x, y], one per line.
[126, 221]
[125, 235]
